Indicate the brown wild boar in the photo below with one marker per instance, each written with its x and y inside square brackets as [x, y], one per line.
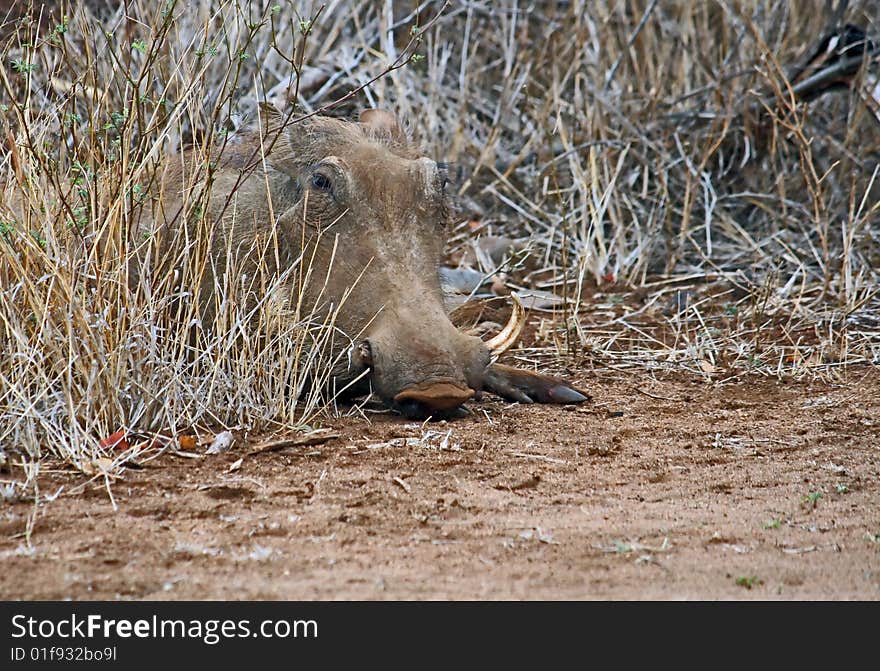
[370, 215]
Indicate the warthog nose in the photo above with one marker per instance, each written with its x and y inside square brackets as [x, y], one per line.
[429, 397]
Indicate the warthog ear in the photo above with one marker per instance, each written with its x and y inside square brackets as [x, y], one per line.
[384, 124]
[271, 118]
[275, 127]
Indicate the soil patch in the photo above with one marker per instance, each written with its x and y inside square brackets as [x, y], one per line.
[656, 489]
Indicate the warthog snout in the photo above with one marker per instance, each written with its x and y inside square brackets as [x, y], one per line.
[427, 398]
[423, 372]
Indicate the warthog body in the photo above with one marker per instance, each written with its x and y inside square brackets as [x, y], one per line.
[369, 215]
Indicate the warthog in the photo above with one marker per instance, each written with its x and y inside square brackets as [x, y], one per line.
[370, 215]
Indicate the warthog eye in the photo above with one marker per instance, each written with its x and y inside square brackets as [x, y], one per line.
[321, 182]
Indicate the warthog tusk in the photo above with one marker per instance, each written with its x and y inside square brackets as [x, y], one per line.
[508, 336]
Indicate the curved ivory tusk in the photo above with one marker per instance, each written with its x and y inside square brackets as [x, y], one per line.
[508, 336]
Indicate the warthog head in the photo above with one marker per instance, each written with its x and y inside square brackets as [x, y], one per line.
[371, 216]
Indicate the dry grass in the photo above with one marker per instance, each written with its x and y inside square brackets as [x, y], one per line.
[693, 213]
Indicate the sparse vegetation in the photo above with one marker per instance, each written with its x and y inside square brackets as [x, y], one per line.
[812, 499]
[749, 581]
[694, 214]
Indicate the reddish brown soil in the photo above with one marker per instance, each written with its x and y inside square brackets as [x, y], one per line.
[669, 489]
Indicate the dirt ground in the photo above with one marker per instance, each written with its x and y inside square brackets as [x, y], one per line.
[656, 489]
